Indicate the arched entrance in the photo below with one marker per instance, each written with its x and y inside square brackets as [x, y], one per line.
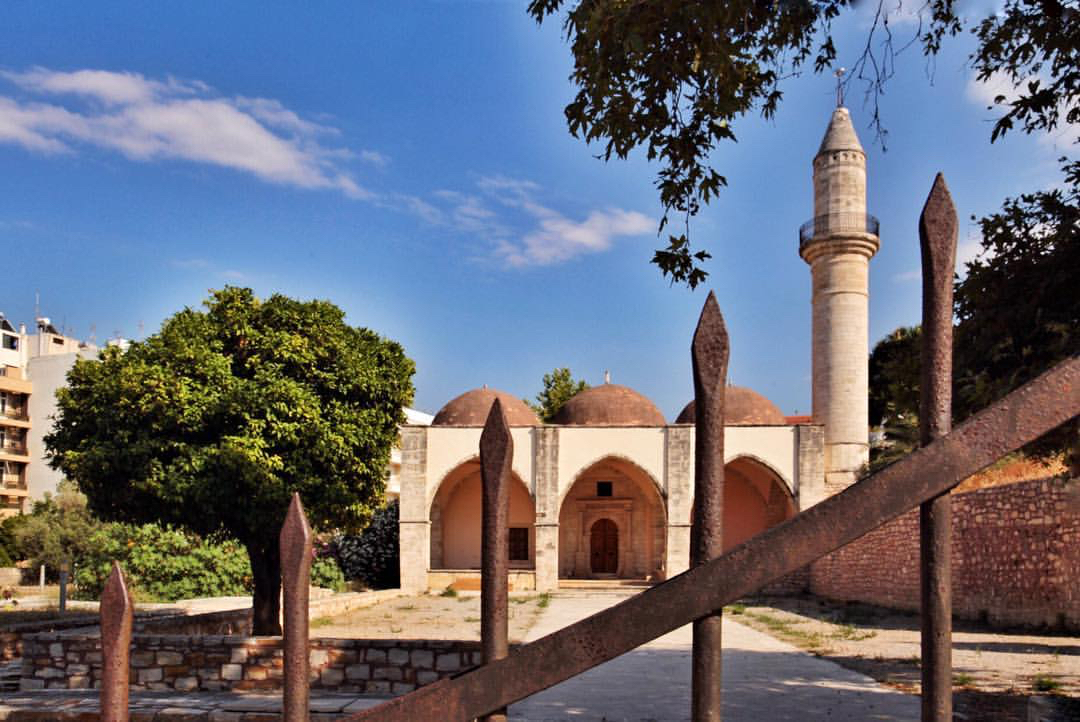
[612, 523]
[755, 499]
[604, 546]
[456, 522]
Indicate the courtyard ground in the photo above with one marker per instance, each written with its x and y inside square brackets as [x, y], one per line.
[994, 671]
[429, 617]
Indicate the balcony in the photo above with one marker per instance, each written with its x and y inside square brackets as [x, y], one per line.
[837, 223]
[16, 413]
[12, 446]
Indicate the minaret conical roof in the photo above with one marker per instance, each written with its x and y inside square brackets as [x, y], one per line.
[840, 134]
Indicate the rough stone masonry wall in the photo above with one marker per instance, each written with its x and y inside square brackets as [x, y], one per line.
[1016, 558]
[214, 663]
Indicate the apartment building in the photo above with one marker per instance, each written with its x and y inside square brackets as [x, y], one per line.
[15, 391]
[32, 368]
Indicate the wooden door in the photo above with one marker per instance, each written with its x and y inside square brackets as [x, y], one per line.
[605, 547]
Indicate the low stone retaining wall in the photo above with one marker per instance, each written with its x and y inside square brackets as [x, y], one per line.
[215, 663]
[11, 635]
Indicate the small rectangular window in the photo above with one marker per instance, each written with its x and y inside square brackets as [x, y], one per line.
[519, 544]
[603, 488]
[11, 342]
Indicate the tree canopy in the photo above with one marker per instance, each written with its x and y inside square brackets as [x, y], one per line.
[673, 77]
[1017, 311]
[1018, 307]
[559, 387]
[213, 422]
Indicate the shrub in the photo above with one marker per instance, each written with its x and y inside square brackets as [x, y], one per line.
[8, 545]
[326, 573]
[372, 557]
[5, 558]
[164, 564]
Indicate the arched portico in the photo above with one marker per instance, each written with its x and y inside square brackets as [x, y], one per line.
[612, 524]
[755, 499]
[456, 521]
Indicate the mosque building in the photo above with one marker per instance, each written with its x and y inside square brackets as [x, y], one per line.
[605, 491]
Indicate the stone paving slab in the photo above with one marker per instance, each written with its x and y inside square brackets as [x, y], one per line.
[764, 679]
[82, 706]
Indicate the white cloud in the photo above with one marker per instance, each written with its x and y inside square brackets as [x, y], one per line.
[550, 237]
[147, 120]
[375, 158]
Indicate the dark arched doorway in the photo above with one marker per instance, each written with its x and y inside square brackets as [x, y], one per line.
[605, 547]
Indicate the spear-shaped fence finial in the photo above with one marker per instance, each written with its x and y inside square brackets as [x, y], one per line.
[295, 549]
[117, 616]
[709, 355]
[496, 457]
[937, 241]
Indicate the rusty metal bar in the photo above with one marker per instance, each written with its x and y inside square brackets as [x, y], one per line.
[117, 615]
[1022, 416]
[295, 547]
[937, 241]
[709, 356]
[496, 455]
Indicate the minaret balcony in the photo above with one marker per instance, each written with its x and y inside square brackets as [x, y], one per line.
[837, 223]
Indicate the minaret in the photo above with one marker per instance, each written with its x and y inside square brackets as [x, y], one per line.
[838, 244]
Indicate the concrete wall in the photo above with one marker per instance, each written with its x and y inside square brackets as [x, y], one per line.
[48, 373]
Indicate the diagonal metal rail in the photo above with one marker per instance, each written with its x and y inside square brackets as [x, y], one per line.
[1021, 417]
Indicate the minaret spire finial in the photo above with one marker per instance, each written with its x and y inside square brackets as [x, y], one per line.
[839, 73]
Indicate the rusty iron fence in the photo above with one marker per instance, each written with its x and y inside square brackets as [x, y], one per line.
[922, 479]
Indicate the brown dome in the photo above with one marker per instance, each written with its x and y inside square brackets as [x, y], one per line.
[742, 407]
[472, 409]
[609, 405]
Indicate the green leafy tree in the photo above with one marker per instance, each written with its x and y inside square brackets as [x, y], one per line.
[672, 77]
[59, 529]
[894, 395]
[1019, 307]
[559, 387]
[213, 422]
[894, 375]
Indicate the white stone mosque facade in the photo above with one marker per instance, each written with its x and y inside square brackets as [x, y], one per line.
[605, 491]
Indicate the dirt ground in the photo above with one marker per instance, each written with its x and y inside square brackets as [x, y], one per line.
[994, 671]
[428, 617]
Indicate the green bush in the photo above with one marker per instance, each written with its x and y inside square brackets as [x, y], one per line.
[164, 564]
[5, 558]
[372, 557]
[326, 573]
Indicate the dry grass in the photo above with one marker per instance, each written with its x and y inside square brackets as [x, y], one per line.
[1013, 469]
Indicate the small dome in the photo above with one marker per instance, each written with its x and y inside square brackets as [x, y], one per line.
[472, 409]
[742, 407]
[609, 405]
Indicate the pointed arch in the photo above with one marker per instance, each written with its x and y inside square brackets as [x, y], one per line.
[455, 515]
[619, 495]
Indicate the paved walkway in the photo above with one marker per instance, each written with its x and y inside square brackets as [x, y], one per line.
[763, 679]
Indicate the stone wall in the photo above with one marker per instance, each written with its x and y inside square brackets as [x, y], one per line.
[215, 663]
[1016, 558]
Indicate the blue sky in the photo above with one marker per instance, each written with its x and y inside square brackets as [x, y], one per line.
[410, 162]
